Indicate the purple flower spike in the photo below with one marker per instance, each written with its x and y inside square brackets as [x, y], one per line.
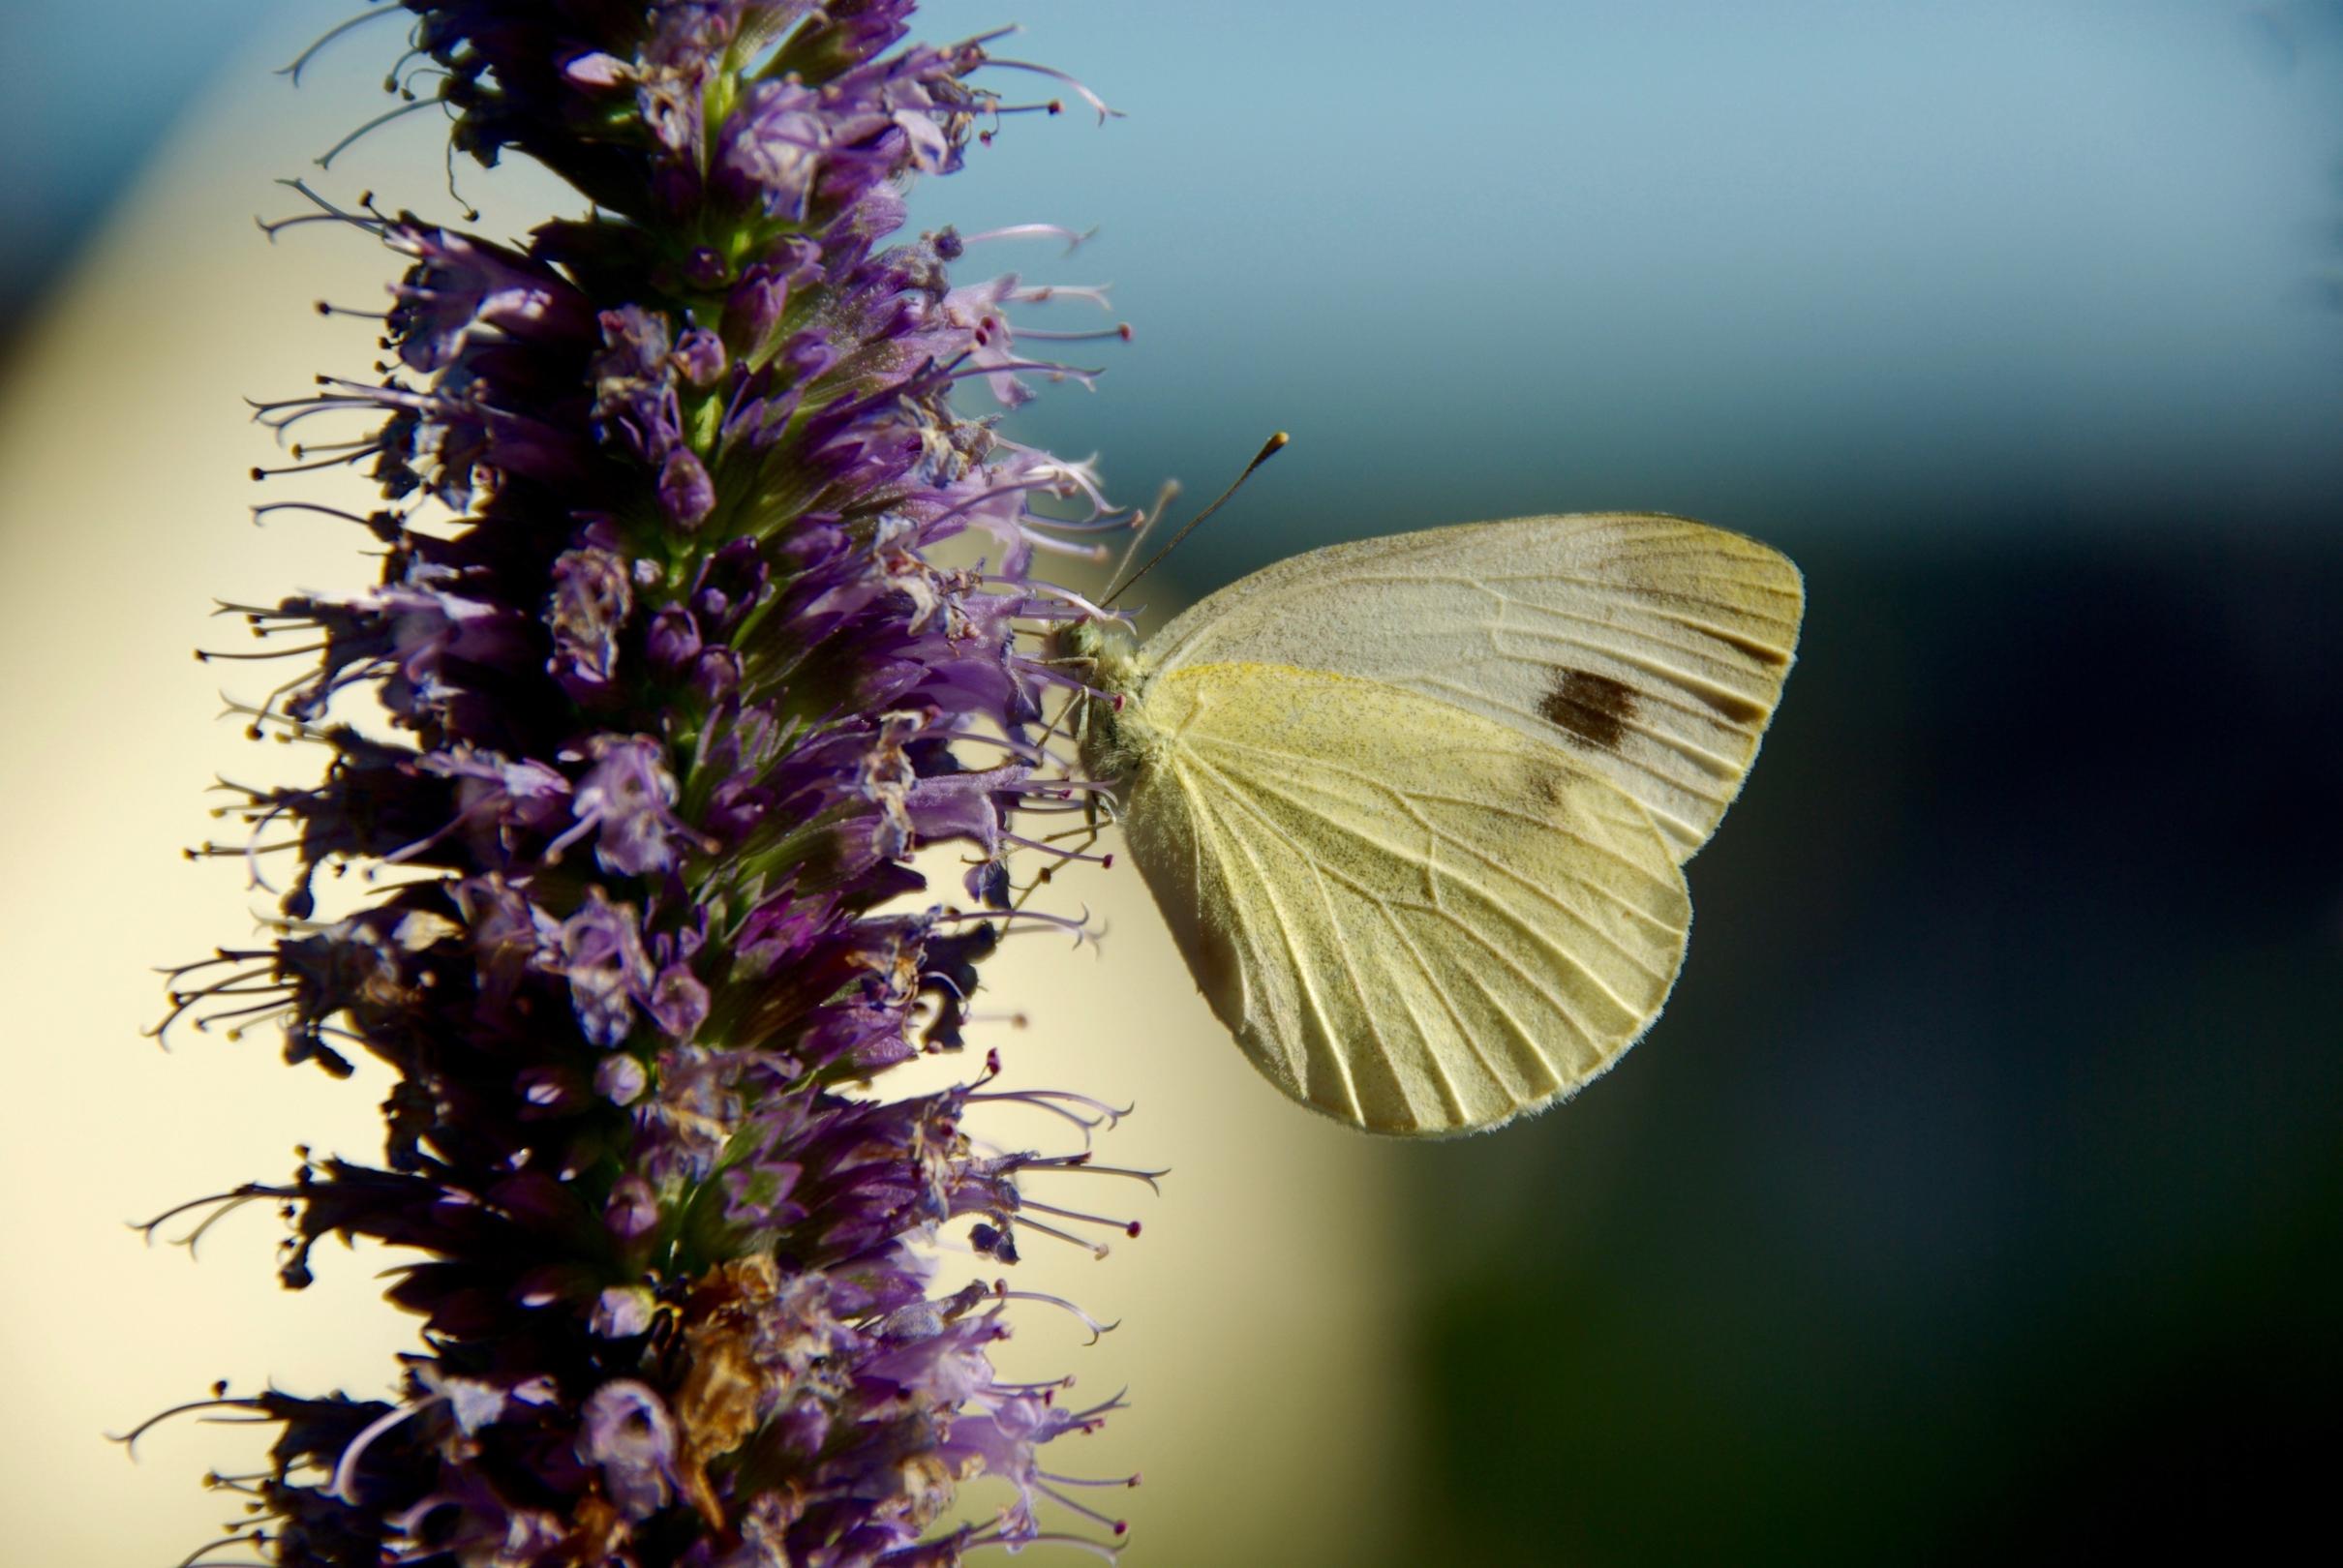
[673, 703]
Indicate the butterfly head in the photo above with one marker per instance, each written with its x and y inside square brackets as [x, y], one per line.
[1101, 654]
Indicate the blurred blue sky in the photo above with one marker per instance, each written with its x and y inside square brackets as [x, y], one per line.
[1801, 266]
[80, 107]
[1805, 267]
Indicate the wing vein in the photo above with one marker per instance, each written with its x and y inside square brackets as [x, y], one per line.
[1471, 886]
[1299, 968]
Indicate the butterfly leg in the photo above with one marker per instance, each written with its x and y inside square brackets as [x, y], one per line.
[1097, 809]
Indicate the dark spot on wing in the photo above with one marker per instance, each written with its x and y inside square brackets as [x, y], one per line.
[1762, 652]
[1729, 706]
[1592, 706]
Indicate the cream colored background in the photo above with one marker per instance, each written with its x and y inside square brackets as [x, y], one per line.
[1257, 1312]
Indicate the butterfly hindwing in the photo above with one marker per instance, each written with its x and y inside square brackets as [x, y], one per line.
[1414, 917]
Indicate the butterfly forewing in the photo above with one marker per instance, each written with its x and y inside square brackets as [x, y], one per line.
[1413, 918]
[1651, 648]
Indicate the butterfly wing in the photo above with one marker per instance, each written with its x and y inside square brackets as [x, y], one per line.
[1414, 919]
[1651, 647]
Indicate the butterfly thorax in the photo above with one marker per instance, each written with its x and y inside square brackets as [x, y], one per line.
[1113, 733]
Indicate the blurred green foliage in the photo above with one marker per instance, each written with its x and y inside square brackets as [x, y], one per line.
[1979, 1197]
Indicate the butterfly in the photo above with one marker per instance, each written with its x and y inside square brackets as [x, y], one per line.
[1417, 808]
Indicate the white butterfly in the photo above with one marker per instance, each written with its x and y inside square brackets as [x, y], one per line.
[1417, 808]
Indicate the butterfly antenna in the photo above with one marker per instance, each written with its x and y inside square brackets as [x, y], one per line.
[1268, 450]
[1164, 498]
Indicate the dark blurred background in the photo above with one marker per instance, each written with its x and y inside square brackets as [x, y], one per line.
[1978, 1198]
[1980, 1195]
